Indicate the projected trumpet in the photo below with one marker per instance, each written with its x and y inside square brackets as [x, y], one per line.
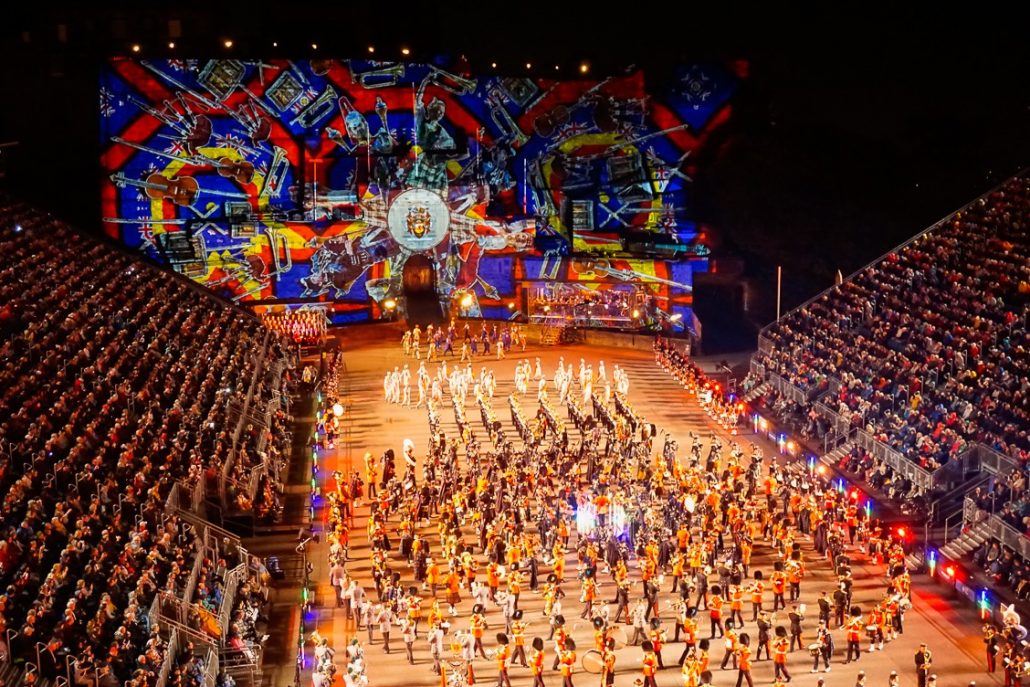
[318, 109]
[458, 85]
[380, 78]
[504, 121]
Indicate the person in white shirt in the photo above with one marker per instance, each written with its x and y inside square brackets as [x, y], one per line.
[408, 635]
[435, 639]
[337, 575]
[385, 620]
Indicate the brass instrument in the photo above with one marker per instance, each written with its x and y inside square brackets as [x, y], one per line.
[318, 109]
[272, 184]
[453, 83]
[503, 120]
[382, 77]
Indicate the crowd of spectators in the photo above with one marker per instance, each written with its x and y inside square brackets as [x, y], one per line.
[115, 383]
[927, 348]
[1004, 567]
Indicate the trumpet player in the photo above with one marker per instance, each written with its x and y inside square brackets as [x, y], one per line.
[923, 660]
[993, 646]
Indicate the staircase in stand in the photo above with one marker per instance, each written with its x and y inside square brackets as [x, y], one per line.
[551, 336]
[834, 456]
[757, 392]
[964, 544]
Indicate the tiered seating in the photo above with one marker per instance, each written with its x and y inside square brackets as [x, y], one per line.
[929, 345]
[115, 382]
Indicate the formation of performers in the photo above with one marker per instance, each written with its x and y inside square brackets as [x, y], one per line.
[662, 544]
[462, 341]
[302, 326]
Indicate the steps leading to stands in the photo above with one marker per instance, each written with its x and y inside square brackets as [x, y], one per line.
[550, 336]
[757, 392]
[961, 546]
[834, 456]
[10, 673]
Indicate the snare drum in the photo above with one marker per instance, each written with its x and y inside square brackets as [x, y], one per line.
[815, 648]
[619, 635]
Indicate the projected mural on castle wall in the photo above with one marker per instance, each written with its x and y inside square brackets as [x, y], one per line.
[315, 181]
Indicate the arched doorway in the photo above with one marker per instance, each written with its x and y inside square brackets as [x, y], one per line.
[419, 276]
[419, 279]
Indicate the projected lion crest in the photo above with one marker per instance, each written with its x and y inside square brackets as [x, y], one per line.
[419, 221]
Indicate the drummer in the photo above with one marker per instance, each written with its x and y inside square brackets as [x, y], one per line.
[608, 664]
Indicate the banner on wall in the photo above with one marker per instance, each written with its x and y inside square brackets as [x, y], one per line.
[296, 181]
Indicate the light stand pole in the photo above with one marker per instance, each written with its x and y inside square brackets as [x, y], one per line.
[779, 285]
[302, 549]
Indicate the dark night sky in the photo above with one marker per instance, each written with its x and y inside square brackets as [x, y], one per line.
[853, 131]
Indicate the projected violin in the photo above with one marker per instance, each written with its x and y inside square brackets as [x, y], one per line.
[182, 191]
[548, 124]
[240, 171]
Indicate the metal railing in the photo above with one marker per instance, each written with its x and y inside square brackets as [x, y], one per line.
[995, 463]
[257, 374]
[211, 536]
[901, 465]
[231, 587]
[171, 651]
[998, 528]
[188, 618]
[765, 344]
[210, 667]
[191, 581]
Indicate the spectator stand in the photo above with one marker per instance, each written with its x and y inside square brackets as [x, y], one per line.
[858, 422]
[116, 387]
[913, 372]
[250, 481]
[988, 562]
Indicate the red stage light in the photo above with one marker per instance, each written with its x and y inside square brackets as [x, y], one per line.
[949, 570]
[902, 532]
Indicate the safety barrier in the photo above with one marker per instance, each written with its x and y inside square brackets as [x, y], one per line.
[765, 345]
[995, 463]
[231, 587]
[171, 651]
[997, 528]
[920, 476]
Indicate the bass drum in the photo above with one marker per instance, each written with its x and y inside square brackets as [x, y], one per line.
[592, 662]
